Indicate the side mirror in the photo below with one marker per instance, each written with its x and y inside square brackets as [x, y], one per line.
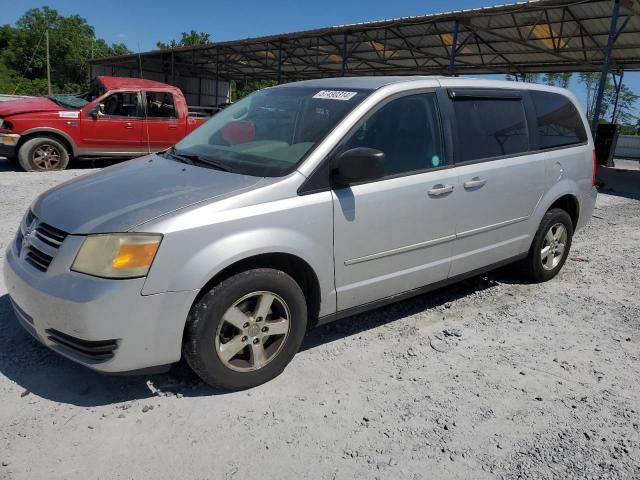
[359, 164]
[97, 111]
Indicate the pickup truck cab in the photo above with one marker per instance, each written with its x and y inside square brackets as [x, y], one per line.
[118, 117]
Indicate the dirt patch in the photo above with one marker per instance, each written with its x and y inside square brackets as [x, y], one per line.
[490, 378]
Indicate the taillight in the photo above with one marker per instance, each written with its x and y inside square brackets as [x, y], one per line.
[595, 168]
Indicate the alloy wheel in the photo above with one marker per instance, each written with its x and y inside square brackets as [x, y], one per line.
[253, 331]
[46, 157]
[553, 246]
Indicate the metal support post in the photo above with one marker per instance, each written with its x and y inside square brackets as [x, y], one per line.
[217, 101]
[454, 49]
[605, 66]
[279, 62]
[173, 69]
[344, 55]
[618, 86]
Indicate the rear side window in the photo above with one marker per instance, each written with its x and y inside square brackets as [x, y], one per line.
[490, 127]
[160, 105]
[559, 122]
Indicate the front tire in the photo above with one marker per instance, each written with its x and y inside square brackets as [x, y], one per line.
[550, 246]
[43, 154]
[245, 330]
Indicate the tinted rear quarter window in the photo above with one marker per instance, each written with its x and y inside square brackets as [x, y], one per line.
[559, 122]
[489, 127]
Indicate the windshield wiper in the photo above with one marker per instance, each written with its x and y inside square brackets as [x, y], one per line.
[192, 158]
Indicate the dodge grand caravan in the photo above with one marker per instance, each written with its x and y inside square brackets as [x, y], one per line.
[298, 205]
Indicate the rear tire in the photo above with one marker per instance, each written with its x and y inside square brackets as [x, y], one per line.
[245, 330]
[43, 154]
[550, 246]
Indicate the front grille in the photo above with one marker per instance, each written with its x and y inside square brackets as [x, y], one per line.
[92, 349]
[38, 259]
[38, 242]
[50, 235]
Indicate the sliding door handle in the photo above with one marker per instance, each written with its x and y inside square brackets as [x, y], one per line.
[128, 125]
[440, 189]
[475, 182]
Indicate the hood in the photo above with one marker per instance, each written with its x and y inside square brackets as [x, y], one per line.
[28, 105]
[121, 197]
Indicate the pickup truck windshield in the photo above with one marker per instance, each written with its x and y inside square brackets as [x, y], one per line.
[271, 131]
[70, 101]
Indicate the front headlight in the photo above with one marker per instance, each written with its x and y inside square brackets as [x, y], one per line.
[117, 255]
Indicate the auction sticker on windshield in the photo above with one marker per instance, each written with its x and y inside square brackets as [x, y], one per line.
[335, 95]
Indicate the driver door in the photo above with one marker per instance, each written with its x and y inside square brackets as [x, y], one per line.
[117, 128]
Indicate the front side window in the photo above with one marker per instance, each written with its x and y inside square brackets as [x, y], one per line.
[559, 123]
[489, 127]
[160, 105]
[271, 131]
[122, 104]
[407, 130]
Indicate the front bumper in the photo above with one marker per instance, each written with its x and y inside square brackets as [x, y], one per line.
[106, 325]
[9, 144]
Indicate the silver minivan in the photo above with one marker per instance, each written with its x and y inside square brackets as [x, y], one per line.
[296, 206]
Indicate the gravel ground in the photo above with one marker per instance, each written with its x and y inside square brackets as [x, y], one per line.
[490, 378]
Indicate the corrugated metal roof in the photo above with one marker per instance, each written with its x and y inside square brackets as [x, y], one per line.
[534, 36]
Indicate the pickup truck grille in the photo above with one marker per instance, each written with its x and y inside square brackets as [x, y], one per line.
[38, 242]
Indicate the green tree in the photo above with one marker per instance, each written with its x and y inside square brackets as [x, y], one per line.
[590, 81]
[72, 43]
[523, 77]
[626, 99]
[557, 79]
[242, 88]
[188, 39]
[626, 105]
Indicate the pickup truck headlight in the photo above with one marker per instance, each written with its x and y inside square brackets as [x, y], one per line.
[117, 255]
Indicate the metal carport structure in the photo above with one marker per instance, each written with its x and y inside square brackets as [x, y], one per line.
[518, 38]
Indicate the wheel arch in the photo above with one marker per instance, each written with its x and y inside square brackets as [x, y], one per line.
[296, 267]
[59, 135]
[570, 204]
[562, 195]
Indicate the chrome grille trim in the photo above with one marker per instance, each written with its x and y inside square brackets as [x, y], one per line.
[38, 242]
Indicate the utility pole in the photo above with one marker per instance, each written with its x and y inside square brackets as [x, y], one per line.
[46, 34]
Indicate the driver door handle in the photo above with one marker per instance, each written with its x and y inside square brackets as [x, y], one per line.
[475, 182]
[440, 189]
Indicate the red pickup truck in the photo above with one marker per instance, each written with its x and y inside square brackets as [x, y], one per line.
[118, 117]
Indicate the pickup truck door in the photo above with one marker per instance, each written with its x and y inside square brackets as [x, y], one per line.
[116, 129]
[165, 124]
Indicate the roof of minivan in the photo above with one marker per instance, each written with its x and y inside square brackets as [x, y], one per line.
[369, 83]
[375, 82]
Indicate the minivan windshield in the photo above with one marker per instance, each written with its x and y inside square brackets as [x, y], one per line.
[269, 132]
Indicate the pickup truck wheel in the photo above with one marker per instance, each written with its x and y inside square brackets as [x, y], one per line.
[550, 246]
[43, 153]
[246, 329]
